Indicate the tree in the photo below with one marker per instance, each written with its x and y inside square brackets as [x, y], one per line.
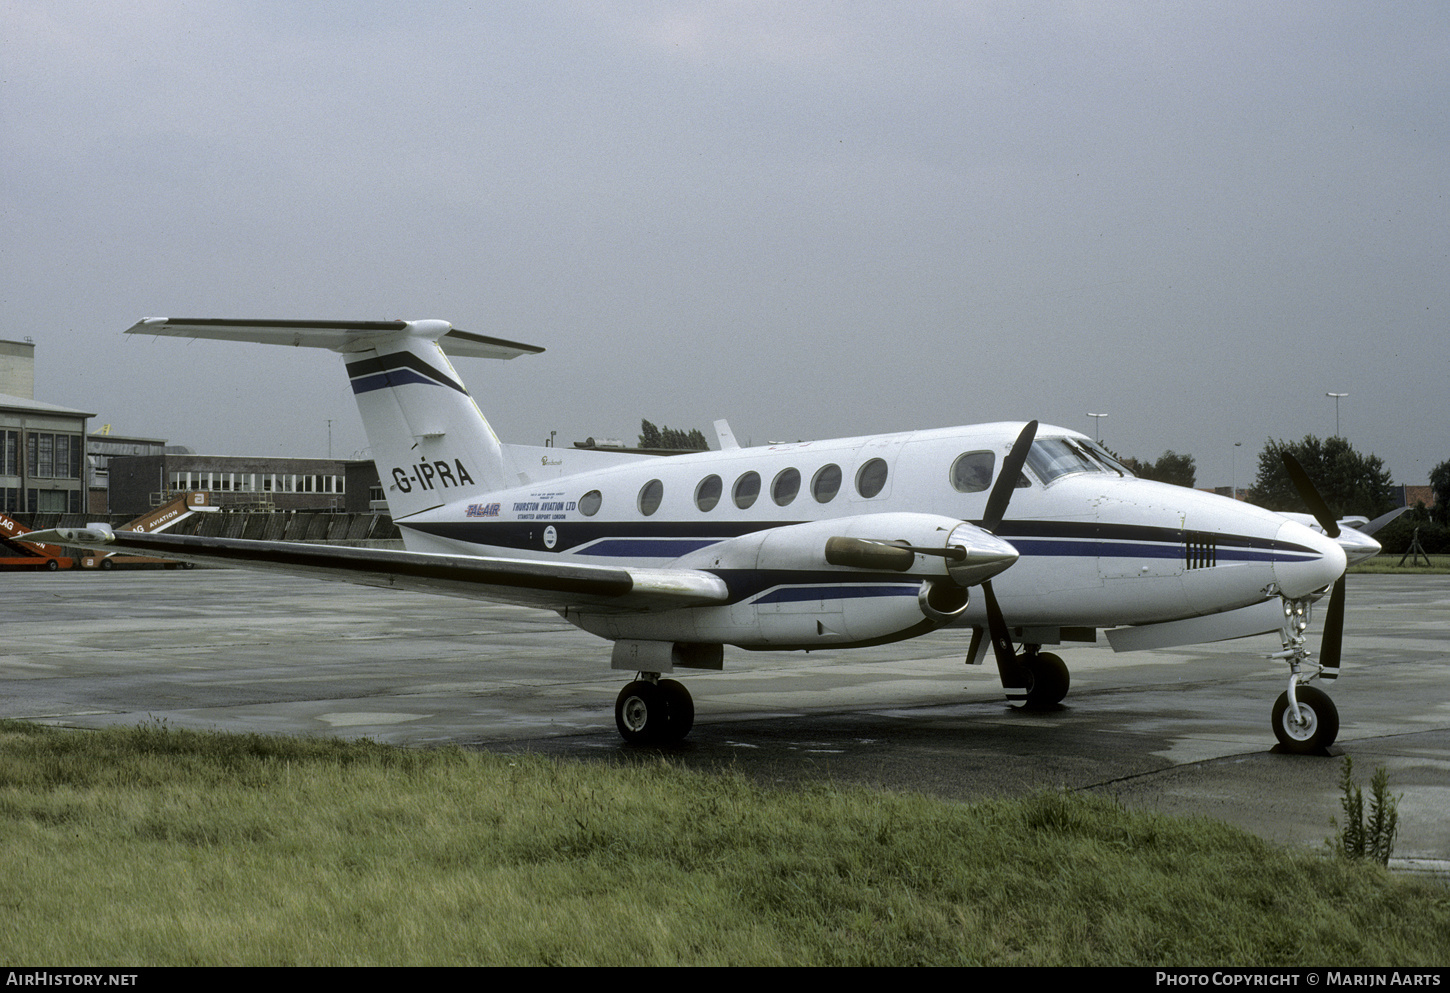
[1440, 486]
[1349, 482]
[649, 435]
[671, 438]
[1180, 470]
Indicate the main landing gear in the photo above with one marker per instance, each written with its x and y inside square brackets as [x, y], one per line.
[654, 711]
[1042, 677]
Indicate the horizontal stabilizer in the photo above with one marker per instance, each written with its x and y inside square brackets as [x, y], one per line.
[340, 336]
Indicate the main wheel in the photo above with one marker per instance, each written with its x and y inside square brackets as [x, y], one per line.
[640, 712]
[1047, 679]
[679, 709]
[1318, 728]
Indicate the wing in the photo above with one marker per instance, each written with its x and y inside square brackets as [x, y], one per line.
[526, 582]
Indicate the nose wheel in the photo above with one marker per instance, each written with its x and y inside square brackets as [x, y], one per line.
[1313, 729]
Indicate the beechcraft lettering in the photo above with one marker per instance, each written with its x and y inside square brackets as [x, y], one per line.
[431, 475]
[1031, 536]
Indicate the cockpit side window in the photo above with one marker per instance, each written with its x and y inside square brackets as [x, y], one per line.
[972, 472]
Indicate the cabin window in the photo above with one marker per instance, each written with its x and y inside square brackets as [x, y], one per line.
[871, 478]
[786, 485]
[972, 472]
[589, 503]
[826, 483]
[707, 494]
[747, 488]
[650, 495]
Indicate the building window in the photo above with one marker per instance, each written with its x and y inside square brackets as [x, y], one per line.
[53, 456]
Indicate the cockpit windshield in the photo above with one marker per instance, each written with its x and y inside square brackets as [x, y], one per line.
[1053, 457]
[1103, 455]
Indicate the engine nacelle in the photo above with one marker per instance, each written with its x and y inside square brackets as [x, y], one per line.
[848, 581]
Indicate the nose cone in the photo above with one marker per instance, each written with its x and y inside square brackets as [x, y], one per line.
[1305, 560]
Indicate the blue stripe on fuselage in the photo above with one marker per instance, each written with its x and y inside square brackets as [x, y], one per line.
[670, 539]
[1140, 550]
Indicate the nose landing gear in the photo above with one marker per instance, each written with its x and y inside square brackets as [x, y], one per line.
[1305, 720]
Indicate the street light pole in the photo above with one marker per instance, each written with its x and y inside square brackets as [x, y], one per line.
[1235, 463]
[1337, 397]
[1097, 425]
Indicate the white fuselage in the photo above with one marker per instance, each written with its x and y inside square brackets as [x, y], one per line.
[1097, 548]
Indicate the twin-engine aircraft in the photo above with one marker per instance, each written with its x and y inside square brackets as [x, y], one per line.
[822, 544]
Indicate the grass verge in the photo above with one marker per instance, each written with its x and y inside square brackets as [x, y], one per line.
[1388, 565]
[149, 846]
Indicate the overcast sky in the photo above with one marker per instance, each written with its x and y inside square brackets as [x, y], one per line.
[812, 218]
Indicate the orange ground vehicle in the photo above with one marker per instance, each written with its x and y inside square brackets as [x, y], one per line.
[172, 512]
[19, 555]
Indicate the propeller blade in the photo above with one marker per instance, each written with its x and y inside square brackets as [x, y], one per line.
[1007, 478]
[1333, 633]
[1012, 674]
[1310, 495]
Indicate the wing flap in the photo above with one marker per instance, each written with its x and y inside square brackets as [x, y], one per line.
[526, 582]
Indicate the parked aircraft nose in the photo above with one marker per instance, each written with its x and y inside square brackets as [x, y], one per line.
[1305, 560]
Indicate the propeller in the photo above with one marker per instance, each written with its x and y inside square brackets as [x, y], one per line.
[1014, 676]
[1329, 648]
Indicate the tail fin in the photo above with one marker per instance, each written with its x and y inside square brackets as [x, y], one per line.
[429, 439]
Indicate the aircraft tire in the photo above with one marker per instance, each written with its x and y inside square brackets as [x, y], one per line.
[1047, 679]
[680, 709]
[639, 712]
[1321, 722]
